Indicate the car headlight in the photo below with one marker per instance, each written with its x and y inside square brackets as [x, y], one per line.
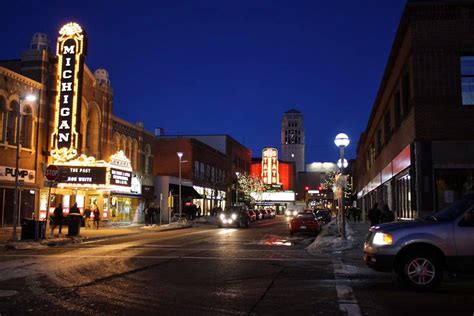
[222, 216]
[234, 216]
[382, 239]
[295, 213]
[288, 213]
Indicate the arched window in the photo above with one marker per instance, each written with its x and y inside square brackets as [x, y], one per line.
[124, 145]
[93, 131]
[116, 142]
[134, 157]
[3, 118]
[128, 153]
[26, 135]
[11, 122]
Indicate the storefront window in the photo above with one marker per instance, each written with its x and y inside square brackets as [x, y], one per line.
[451, 185]
[120, 209]
[403, 195]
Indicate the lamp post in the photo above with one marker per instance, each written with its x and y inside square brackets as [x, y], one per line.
[180, 155]
[237, 174]
[29, 98]
[342, 141]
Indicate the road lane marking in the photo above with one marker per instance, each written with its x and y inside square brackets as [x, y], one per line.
[165, 257]
[345, 294]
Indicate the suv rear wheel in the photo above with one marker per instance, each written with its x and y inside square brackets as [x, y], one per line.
[421, 270]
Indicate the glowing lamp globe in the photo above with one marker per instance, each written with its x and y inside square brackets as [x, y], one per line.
[342, 140]
[344, 164]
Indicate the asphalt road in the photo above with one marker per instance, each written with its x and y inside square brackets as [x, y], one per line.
[210, 271]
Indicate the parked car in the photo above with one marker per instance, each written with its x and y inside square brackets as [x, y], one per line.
[304, 222]
[264, 214]
[234, 216]
[271, 213]
[419, 251]
[323, 215]
[252, 215]
[258, 215]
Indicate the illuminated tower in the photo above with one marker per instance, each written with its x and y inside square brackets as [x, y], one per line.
[292, 138]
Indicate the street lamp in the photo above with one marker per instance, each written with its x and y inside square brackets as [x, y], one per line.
[237, 174]
[29, 98]
[180, 155]
[342, 141]
[345, 163]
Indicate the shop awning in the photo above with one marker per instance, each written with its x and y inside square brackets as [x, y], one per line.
[186, 191]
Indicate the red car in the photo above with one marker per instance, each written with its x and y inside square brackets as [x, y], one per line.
[304, 222]
[252, 215]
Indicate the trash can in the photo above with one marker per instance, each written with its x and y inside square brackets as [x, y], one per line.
[27, 228]
[74, 224]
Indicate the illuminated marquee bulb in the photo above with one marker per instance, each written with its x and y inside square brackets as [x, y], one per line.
[70, 28]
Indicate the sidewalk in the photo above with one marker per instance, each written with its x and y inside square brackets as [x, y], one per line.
[85, 234]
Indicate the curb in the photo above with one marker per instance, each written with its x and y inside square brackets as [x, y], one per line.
[78, 240]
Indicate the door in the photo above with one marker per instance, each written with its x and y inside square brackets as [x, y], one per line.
[464, 240]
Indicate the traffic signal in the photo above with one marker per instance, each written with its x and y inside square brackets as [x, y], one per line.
[306, 188]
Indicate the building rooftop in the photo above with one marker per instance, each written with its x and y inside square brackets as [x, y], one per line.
[292, 111]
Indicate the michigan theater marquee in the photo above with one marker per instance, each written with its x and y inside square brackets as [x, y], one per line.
[104, 161]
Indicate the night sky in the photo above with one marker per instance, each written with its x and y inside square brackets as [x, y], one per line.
[234, 67]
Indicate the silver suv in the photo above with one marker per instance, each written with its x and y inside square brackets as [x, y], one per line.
[420, 251]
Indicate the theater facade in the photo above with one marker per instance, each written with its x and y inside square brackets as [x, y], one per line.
[103, 161]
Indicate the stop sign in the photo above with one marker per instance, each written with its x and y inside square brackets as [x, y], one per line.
[52, 172]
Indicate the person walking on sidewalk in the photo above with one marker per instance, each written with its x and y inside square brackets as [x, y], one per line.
[57, 219]
[374, 215]
[74, 209]
[87, 217]
[96, 216]
[387, 214]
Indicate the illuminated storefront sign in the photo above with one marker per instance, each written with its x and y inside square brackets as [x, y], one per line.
[120, 177]
[82, 175]
[71, 50]
[270, 174]
[285, 196]
[8, 174]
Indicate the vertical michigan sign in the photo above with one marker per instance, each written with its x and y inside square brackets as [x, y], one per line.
[71, 50]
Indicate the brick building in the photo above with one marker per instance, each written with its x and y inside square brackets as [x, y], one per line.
[96, 139]
[417, 151]
[208, 170]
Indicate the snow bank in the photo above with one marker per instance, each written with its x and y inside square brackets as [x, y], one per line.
[328, 241]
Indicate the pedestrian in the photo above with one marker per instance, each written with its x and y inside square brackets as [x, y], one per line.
[147, 217]
[96, 216]
[387, 214]
[151, 214]
[87, 217]
[374, 215]
[74, 209]
[57, 220]
[193, 212]
[199, 211]
[358, 214]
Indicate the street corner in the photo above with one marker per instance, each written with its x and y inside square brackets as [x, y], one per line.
[329, 241]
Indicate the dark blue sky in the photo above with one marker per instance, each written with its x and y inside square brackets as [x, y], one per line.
[206, 67]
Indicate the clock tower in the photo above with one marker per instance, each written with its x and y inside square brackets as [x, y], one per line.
[292, 138]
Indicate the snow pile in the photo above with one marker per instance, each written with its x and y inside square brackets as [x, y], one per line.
[329, 241]
[24, 245]
[206, 220]
[168, 226]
